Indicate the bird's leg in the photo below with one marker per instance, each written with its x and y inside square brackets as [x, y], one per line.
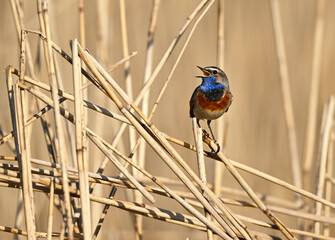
[209, 126]
[203, 130]
[198, 123]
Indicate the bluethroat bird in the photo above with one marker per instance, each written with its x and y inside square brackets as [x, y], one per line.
[212, 98]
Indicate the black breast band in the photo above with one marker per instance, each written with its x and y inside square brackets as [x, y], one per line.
[214, 95]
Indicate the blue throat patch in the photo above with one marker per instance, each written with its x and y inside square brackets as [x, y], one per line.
[209, 84]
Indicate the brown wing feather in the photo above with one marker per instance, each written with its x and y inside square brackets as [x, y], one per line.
[193, 100]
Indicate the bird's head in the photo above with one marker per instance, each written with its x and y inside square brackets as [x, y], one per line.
[214, 75]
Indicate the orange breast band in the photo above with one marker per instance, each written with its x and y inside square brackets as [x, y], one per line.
[220, 105]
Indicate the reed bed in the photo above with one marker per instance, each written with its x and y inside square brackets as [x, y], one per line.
[73, 181]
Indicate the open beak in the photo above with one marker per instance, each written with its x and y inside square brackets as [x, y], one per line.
[205, 72]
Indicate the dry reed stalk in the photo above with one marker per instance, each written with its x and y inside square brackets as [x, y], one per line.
[102, 52]
[190, 185]
[65, 96]
[122, 61]
[282, 183]
[103, 148]
[64, 55]
[101, 169]
[258, 173]
[81, 143]
[102, 76]
[42, 26]
[167, 81]
[58, 124]
[85, 56]
[125, 49]
[160, 214]
[111, 195]
[31, 119]
[138, 219]
[201, 164]
[51, 207]
[101, 221]
[154, 179]
[96, 177]
[324, 145]
[84, 72]
[17, 12]
[328, 184]
[18, 131]
[302, 215]
[68, 133]
[38, 234]
[286, 93]
[220, 60]
[3, 136]
[102, 31]
[295, 231]
[13, 170]
[286, 96]
[148, 70]
[10, 173]
[157, 191]
[279, 202]
[20, 215]
[82, 31]
[168, 52]
[167, 190]
[267, 225]
[177, 220]
[102, 44]
[314, 93]
[249, 191]
[144, 209]
[70, 116]
[145, 103]
[6, 137]
[26, 176]
[331, 179]
[268, 199]
[18, 115]
[10, 158]
[127, 72]
[284, 211]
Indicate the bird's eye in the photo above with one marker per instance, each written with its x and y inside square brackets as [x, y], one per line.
[215, 72]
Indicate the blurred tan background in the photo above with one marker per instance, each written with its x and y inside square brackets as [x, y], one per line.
[257, 134]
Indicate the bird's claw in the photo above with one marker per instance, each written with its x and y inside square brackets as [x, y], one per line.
[205, 136]
[219, 148]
